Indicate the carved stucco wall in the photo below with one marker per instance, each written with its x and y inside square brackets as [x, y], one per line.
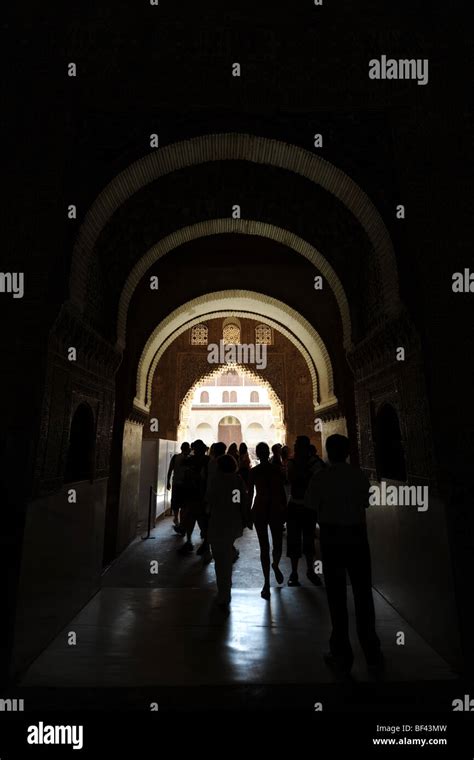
[243, 303]
[182, 365]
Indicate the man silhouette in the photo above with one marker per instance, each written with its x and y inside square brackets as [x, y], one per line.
[176, 469]
[340, 495]
[301, 521]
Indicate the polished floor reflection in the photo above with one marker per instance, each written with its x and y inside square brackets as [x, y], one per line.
[146, 629]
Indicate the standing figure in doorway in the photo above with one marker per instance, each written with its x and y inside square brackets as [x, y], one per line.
[267, 512]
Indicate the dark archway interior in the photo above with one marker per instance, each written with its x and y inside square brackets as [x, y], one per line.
[134, 445]
[78, 422]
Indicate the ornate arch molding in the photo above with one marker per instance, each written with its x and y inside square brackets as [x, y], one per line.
[244, 303]
[185, 406]
[242, 226]
[242, 147]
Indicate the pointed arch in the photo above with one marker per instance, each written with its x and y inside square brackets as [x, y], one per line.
[276, 403]
[242, 303]
[228, 147]
[241, 226]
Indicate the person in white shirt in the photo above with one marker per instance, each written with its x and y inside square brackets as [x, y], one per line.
[339, 495]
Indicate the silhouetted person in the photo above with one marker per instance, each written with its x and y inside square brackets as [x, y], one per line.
[194, 491]
[276, 453]
[234, 452]
[176, 470]
[244, 463]
[277, 461]
[315, 458]
[217, 450]
[267, 512]
[285, 458]
[228, 515]
[340, 496]
[316, 465]
[301, 521]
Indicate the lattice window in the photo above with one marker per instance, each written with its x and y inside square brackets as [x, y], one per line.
[204, 397]
[231, 333]
[225, 397]
[254, 397]
[233, 397]
[199, 335]
[264, 335]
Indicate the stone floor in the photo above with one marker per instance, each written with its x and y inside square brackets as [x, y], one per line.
[144, 629]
